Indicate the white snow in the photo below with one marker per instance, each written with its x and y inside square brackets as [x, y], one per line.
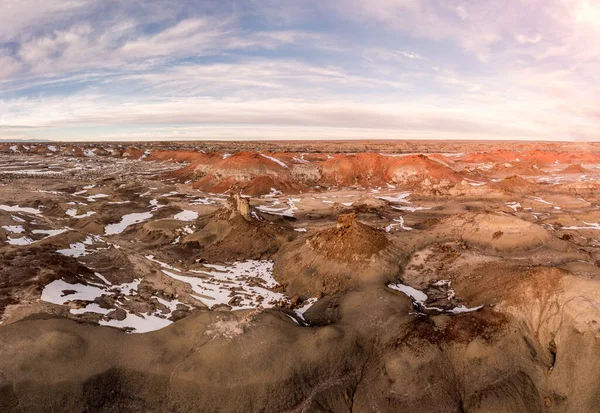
[274, 192]
[514, 205]
[286, 212]
[126, 221]
[73, 214]
[399, 222]
[203, 201]
[141, 323]
[462, 309]
[155, 206]
[15, 229]
[20, 241]
[53, 292]
[75, 250]
[49, 232]
[93, 198]
[17, 208]
[274, 160]
[419, 297]
[221, 283]
[589, 225]
[416, 295]
[91, 308]
[401, 197]
[186, 216]
[300, 229]
[408, 208]
[538, 199]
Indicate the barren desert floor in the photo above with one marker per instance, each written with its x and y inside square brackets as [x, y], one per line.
[425, 277]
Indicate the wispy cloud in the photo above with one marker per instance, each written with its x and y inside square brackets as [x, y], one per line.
[343, 68]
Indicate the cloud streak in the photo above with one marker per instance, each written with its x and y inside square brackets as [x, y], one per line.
[288, 69]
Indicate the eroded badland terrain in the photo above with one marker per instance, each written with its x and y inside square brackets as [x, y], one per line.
[300, 277]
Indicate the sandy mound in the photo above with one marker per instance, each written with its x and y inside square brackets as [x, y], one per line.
[498, 231]
[371, 169]
[514, 183]
[71, 150]
[493, 156]
[336, 260]
[575, 169]
[370, 205]
[518, 168]
[315, 157]
[550, 157]
[417, 168]
[362, 169]
[200, 163]
[251, 172]
[132, 153]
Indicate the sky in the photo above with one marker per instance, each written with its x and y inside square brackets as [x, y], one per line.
[123, 70]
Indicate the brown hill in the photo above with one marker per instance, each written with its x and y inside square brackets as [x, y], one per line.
[575, 169]
[364, 169]
[336, 259]
[253, 171]
[514, 183]
[417, 168]
[370, 169]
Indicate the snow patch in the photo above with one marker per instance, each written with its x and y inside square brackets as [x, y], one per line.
[126, 221]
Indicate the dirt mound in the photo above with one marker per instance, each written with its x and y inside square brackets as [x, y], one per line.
[575, 169]
[41, 150]
[417, 168]
[101, 152]
[518, 168]
[498, 231]
[514, 183]
[363, 169]
[336, 259]
[200, 163]
[240, 172]
[370, 205]
[71, 150]
[348, 241]
[493, 156]
[550, 157]
[132, 153]
[371, 169]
